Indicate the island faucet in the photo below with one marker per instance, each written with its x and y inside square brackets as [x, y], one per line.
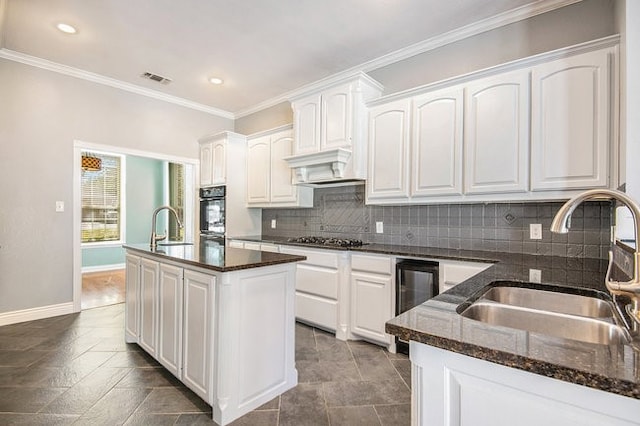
[155, 237]
[562, 222]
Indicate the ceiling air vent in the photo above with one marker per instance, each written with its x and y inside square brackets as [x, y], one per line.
[156, 77]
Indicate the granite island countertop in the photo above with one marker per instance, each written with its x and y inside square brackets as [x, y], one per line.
[217, 258]
[611, 368]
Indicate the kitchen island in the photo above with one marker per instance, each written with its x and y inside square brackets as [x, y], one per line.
[220, 319]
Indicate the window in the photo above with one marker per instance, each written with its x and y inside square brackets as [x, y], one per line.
[176, 200]
[102, 200]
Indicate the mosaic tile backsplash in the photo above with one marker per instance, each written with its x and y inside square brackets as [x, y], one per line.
[341, 212]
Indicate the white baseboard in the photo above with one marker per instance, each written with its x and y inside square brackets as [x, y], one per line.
[31, 314]
[102, 268]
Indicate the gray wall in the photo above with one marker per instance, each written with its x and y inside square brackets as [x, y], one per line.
[341, 212]
[41, 114]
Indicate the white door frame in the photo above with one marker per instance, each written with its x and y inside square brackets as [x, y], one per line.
[78, 147]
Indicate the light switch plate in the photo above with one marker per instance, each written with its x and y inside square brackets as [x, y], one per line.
[273, 224]
[59, 206]
[535, 231]
[379, 227]
[535, 275]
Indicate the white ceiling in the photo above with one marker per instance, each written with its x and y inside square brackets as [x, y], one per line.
[261, 48]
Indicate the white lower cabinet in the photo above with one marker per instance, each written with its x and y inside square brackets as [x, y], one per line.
[198, 314]
[458, 390]
[132, 298]
[321, 294]
[371, 296]
[453, 272]
[149, 271]
[170, 318]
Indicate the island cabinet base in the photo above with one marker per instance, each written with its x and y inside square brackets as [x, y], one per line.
[454, 389]
[228, 336]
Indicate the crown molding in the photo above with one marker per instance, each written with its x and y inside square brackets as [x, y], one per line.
[111, 82]
[509, 17]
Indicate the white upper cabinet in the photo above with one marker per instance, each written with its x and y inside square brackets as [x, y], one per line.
[571, 122]
[497, 134]
[269, 177]
[206, 163]
[388, 151]
[306, 118]
[337, 113]
[436, 143]
[219, 161]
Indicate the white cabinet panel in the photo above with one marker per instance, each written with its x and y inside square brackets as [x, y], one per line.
[282, 188]
[198, 314]
[206, 164]
[306, 118]
[388, 150]
[370, 305]
[170, 319]
[437, 143]
[258, 170]
[497, 134]
[317, 310]
[219, 169]
[149, 273]
[570, 122]
[132, 298]
[337, 118]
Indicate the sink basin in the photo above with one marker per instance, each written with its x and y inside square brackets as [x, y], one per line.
[177, 243]
[568, 316]
[571, 304]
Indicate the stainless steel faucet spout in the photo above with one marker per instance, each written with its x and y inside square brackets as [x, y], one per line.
[155, 237]
[561, 223]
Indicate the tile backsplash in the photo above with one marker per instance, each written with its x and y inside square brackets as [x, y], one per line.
[341, 212]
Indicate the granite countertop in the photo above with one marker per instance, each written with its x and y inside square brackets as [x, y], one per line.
[219, 259]
[611, 368]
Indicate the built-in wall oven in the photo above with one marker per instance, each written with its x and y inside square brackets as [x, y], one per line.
[212, 215]
[416, 282]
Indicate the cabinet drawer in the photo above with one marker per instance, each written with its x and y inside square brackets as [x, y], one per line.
[452, 273]
[269, 247]
[316, 310]
[325, 258]
[251, 245]
[318, 281]
[236, 244]
[372, 264]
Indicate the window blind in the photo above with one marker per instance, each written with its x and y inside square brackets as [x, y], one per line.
[101, 201]
[176, 199]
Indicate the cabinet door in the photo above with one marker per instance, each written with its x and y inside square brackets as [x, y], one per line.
[258, 176]
[219, 167]
[149, 271]
[370, 305]
[132, 298]
[570, 122]
[198, 332]
[388, 151]
[170, 318]
[437, 143]
[306, 119]
[206, 163]
[336, 115]
[497, 134]
[282, 188]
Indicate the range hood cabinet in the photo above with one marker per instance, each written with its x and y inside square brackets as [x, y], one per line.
[326, 167]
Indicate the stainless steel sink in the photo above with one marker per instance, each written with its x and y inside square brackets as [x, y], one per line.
[572, 304]
[568, 316]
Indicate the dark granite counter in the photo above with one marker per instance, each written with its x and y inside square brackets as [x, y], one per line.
[219, 259]
[611, 368]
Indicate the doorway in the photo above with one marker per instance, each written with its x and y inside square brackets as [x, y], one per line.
[99, 277]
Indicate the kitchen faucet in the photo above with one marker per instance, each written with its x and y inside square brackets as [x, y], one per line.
[631, 289]
[155, 237]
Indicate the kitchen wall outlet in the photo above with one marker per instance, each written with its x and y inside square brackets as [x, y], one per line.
[59, 206]
[379, 227]
[535, 231]
[273, 224]
[535, 275]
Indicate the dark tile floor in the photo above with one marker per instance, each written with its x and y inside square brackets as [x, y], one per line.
[77, 369]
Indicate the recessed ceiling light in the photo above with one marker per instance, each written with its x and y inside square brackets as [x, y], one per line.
[216, 80]
[66, 28]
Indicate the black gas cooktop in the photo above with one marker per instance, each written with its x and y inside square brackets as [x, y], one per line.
[335, 242]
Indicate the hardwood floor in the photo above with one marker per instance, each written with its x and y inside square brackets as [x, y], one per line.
[102, 288]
